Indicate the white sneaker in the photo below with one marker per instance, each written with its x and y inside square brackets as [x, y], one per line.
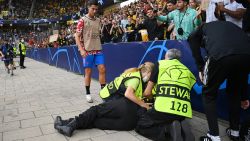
[89, 98]
[214, 138]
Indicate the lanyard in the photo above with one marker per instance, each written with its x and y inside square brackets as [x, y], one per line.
[182, 17]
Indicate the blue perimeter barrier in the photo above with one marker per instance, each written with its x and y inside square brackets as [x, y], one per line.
[121, 56]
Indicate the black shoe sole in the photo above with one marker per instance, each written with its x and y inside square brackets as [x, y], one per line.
[68, 134]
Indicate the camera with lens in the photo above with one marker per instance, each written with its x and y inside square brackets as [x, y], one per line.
[180, 31]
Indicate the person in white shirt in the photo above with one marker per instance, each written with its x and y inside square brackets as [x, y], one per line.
[211, 8]
[233, 12]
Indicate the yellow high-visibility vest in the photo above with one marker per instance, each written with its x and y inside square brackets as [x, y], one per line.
[23, 48]
[172, 91]
[119, 82]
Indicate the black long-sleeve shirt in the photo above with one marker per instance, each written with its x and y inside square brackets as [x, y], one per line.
[154, 30]
[220, 39]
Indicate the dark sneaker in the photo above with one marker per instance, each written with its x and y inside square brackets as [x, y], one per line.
[235, 137]
[22, 67]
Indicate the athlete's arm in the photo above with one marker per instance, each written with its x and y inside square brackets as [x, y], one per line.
[78, 37]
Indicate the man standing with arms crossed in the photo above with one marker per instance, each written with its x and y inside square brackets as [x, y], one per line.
[88, 41]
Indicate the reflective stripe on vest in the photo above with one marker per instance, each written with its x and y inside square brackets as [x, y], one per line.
[115, 85]
[173, 87]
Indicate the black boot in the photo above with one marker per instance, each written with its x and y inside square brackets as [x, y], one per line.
[67, 129]
[59, 122]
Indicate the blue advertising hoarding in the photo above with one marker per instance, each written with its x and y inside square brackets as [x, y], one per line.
[121, 56]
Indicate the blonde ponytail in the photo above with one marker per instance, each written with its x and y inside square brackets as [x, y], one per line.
[130, 70]
[147, 66]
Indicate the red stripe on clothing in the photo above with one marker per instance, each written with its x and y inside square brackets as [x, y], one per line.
[80, 26]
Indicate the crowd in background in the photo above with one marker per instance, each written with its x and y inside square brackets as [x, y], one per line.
[137, 21]
[40, 38]
[16, 9]
[57, 8]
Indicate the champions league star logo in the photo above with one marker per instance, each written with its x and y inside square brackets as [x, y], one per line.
[100, 2]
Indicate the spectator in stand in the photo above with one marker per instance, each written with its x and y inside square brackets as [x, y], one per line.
[139, 25]
[132, 15]
[116, 32]
[170, 33]
[185, 19]
[124, 23]
[193, 4]
[234, 12]
[105, 29]
[55, 44]
[211, 10]
[155, 32]
[62, 40]
[130, 28]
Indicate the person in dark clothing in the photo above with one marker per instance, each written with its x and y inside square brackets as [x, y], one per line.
[138, 27]
[130, 30]
[8, 55]
[105, 30]
[155, 31]
[116, 32]
[62, 40]
[123, 100]
[246, 18]
[22, 49]
[228, 54]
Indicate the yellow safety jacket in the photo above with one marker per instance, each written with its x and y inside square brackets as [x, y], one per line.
[118, 85]
[14, 50]
[172, 91]
[23, 48]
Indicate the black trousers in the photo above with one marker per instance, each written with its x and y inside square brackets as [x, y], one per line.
[22, 60]
[120, 114]
[235, 70]
[156, 125]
